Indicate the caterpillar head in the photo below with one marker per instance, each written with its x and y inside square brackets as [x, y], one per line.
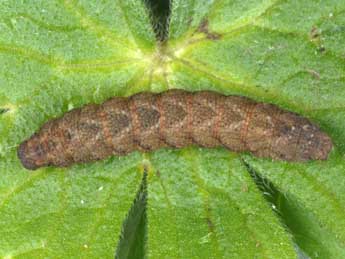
[32, 153]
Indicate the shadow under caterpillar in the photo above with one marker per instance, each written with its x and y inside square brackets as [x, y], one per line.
[175, 118]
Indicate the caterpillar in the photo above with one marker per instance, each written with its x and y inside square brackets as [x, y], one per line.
[175, 118]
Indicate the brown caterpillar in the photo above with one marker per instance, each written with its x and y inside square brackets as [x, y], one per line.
[175, 118]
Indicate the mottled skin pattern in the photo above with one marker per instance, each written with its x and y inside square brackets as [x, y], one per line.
[175, 118]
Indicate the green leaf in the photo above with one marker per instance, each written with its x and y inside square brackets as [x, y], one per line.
[191, 203]
[311, 201]
[209, 208]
